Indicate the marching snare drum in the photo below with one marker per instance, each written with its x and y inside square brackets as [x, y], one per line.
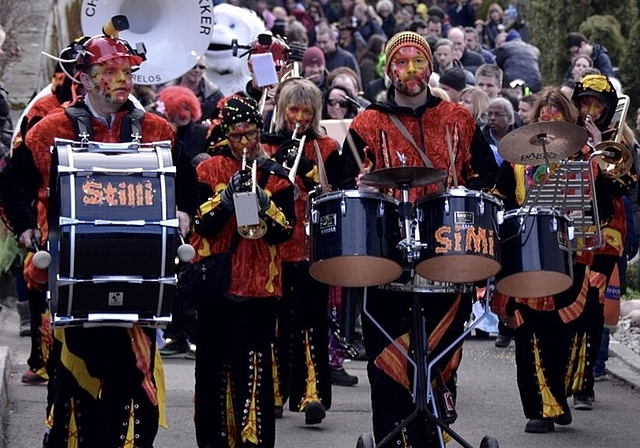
[354, 237]
[112, 234]
[460, 230]
[535, 246]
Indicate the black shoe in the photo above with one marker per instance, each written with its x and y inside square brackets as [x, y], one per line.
[314, 413]
[539, 426]
[173, 348]
[566, 418]
[582, 403]
[340, 377]
[503, 341]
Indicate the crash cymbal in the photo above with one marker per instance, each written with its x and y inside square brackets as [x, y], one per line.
[525, 145]
[413, 176]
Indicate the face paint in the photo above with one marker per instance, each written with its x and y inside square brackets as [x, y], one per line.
[298, 113]
[111, 81]
[551, 113]
[241, 136]
[410, 71]
[591, 106]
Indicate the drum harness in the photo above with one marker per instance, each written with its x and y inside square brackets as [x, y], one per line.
[130, 130]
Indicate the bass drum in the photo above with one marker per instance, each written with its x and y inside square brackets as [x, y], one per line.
[354, 237]
[112, 234]
[535, 245]
[460, 229]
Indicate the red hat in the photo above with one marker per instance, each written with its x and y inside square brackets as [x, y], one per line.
[312, 56]
[100, 49]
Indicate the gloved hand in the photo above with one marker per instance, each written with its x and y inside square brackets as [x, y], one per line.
[287, 152]
[239, 182]
[264, 201]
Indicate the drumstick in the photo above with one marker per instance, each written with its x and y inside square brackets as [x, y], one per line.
[452, 158]
[352, 146]
[322, 174]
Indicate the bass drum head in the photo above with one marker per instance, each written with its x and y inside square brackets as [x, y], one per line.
[355, 271]
[534, 284]
[458, 268]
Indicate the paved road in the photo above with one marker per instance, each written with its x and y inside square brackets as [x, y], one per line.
[488, 404]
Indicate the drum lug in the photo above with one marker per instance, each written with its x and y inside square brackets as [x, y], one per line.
[419, 215]
[446, 206]
[380, 209]
[500, 217]
[554, 224]
[343, 207]
[315, 216]
[481, 207]
[571, 232]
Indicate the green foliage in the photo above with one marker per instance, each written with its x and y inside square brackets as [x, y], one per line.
[629, 68]
[605, 30]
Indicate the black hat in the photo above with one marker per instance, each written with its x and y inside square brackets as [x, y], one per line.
[598, 86]
[454, 78]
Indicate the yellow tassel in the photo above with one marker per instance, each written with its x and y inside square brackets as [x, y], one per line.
[232, 429]
[250, 430]
[273, 269]
[311, 392]
[161, 394]
[550, 406]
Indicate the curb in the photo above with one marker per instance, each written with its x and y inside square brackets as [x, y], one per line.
[5, 369]
[624, 365]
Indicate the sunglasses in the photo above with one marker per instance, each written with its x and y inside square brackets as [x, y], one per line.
[334, 103]
[251, 135]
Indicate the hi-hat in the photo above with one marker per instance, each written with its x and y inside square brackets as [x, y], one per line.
[526, 145]
[413, 176]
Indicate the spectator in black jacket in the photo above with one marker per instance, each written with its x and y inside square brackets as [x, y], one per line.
[469, 59]
[519, 60]
[334, 55]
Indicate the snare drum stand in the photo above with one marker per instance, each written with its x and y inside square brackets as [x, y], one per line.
[423, 394]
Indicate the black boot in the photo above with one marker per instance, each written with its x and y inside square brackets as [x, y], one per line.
[25, 318]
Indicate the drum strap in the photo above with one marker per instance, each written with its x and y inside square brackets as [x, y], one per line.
[405, 133]
[130, 129]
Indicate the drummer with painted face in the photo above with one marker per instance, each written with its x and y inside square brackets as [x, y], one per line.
[108, 388]
[301, 350]
[234, 393]
[414, 127]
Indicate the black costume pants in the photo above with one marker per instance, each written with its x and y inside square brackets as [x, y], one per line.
[234, 355]
[302, 311]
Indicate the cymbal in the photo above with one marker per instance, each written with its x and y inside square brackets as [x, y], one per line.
[413, 176]
[526, 145]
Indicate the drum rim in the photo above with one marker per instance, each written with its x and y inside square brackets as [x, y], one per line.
[354, 193]
[536, 211]
[463, 193]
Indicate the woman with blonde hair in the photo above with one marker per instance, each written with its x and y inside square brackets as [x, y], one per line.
[477, 103]
[493, 25]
